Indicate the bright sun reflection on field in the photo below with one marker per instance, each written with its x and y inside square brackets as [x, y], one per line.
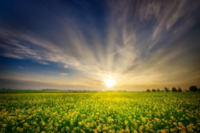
[109, 82]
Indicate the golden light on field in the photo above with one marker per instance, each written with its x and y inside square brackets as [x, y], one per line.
[109, 82]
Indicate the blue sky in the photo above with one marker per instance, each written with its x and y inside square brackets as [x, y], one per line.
[79, 44]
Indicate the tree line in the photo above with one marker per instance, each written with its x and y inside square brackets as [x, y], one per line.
[174, 89]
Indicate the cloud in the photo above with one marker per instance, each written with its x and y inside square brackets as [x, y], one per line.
[63, 74]
[131, 40]
[34, 85]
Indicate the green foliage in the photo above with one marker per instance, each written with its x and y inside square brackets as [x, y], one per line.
[153, 90]
[167, 89]
[174, 89]
[99, 112]
[179, 89]
[148, 90]
[193, 88]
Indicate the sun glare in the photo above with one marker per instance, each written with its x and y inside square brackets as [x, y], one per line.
[109, 82]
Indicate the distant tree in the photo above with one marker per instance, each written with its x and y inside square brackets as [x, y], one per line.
[179, 89]
[193, 88]
[158, 90]
[167, 89]
[174, 89]
[148, 90]
[153, 90]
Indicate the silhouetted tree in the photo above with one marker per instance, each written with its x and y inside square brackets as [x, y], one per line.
[179, 89]
[148, 90]
[153, 90]
[193, 88]
[166, 89]
[174, 89]
[158, 90]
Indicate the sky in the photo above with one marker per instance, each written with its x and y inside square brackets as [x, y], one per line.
[78, 45]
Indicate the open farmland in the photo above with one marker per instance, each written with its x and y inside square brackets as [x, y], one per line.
[100, 112]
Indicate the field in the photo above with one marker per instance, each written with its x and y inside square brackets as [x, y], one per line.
[100, 112]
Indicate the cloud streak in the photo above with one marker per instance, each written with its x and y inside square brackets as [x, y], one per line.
[136, 42]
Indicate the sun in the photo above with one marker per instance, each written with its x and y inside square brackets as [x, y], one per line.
[109, 82]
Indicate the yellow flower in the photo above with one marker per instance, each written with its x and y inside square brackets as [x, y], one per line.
[157, 120]
[183, 131]
[82, 131]
[111, 131]
[98, 128]
[34, 123]
[127, 130]
[126, 122]
[79, 123]
[172, 130]
[95, 131]
[26, 124]
[105, 128]
[67, 128]
[43, 123]
[163, 131]
[180, 123]
[141, 128]
[3, 125]
[175, 123]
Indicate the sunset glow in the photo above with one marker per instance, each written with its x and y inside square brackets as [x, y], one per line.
[109, 83]
[75, 44]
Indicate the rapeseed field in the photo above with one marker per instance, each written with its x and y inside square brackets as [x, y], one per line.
[100, 112]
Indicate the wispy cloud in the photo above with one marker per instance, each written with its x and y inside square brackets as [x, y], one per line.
[136, 42]
[63, 74]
